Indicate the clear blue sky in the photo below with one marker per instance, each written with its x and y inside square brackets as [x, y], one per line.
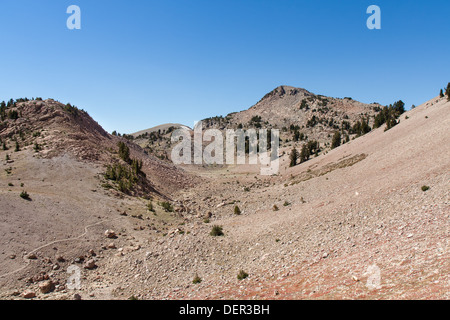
[139, 63]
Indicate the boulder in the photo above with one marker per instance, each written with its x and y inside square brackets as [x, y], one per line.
[46, 286]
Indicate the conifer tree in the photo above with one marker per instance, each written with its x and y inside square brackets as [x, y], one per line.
[293, 157]
[336, 142]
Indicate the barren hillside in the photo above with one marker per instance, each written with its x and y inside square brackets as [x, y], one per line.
[369, 219]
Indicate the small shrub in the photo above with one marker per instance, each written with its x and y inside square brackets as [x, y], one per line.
[10, 184]
[150, 207]
[425, 188]
[196, 279]
[37, 147]
[217, 231]
[206, 220]
[237, 211]
[25, 195]
[286, 203]
[167, 206]
[242, 275]
[17, 149]
[275, 207]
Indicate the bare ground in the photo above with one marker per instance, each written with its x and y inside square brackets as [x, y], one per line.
[351, 224]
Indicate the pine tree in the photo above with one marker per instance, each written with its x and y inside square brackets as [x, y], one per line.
[304, 154]
[336, 142]
[447, 91]
[124, 152]
[441, 94]
[293, 157]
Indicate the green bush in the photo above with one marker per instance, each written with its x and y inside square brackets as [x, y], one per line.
[167, 206]
[237, 211]
[242, 275]
[25, 195]
[425, 188]
[216, 231]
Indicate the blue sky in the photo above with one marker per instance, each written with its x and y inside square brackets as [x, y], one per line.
[139, 63]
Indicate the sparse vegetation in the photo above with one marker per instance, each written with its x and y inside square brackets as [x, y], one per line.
[167, 206]
[425, 188]
[237, 211]
[74, 111]
[127, 176]
[37, 147]
[196, 279]
[242, 275]
[25, 195]
[275, 208]
[389, 115]
[217, 231]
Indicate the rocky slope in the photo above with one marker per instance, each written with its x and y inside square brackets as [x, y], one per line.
[355, 222]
